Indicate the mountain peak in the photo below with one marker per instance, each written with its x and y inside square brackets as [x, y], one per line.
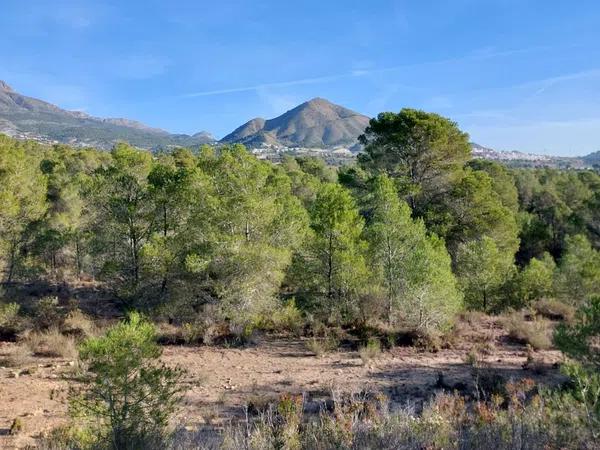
[5, 87]
[315, 123]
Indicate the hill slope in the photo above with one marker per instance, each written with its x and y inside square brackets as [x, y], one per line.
[316, 123]
[27, 117]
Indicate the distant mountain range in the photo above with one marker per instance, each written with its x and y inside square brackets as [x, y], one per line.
[315, 124]
[29, 118]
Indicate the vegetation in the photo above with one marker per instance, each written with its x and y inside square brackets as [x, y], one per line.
[128, 398]
[214, 243]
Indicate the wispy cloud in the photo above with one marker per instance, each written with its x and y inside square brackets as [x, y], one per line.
[258, 87]
[483, 54]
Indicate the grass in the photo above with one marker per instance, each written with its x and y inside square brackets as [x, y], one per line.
[79, 324]
[17, 356]
[51, 343]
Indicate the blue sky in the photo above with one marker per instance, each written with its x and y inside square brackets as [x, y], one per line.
[515, 74]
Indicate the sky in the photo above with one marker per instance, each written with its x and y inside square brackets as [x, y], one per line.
[515, 74]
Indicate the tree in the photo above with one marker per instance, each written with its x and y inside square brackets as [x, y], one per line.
[482, 269]
[473, 210]
[124, 216]
[579, 270]
[415, 268]
[536, 280]
[22, 198]
[424, 151]
[252, 228]
[128, 394]
[333, 264]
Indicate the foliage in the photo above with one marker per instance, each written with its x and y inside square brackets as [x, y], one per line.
[581, 340]
[333, 264]
[424, 151]
[578, 275]
[128, 396]
[482, 269]
[536, 280]
[413, 267]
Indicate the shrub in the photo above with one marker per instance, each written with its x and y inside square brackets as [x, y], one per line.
[288, 318]
[78, 324]
[11, 324]
[48, 314]
[17, 356]
[51, 343]
[554, 310]
[536, 333]
[370, 351]
[320, 346]
[192, 333]
[581, 339]
[128, 396]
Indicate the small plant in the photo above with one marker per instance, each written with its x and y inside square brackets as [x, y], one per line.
[370, 351]
[129, 397]
[192, 333]
[289, 318]
[321, 346]
[16, 427]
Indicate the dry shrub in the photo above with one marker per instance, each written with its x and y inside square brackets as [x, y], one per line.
[80, 325]
[536, 333]
[472, 317]
[554, 310]
[51, 343]
[17, 356]
[48, 314]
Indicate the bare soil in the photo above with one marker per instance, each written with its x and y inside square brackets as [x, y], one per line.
[222, 381]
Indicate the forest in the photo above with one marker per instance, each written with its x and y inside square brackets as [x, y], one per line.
[217, 243]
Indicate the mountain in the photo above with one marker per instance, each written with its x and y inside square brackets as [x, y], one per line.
[317, 123]
[593, 159]
[30, 118]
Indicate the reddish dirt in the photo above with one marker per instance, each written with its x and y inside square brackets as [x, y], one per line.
[221, 381]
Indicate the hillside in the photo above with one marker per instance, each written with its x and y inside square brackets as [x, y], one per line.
[27, 117]
[316, 123]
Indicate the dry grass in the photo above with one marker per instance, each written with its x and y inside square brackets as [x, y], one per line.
[17, 356]
[536, 333]
[554, 310]
[51, 343]
[79, 324]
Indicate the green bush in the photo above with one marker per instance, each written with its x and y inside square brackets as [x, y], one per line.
[11, 324]
[128, 396]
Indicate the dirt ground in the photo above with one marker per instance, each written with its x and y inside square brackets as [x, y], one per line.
[223, 380]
